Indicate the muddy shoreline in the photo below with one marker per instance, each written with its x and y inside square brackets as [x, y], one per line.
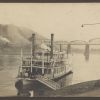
[84, 89]
[89, 88]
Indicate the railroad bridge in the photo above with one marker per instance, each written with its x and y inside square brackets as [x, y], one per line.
[68, 45]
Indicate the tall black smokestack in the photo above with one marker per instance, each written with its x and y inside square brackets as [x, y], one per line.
[52, 39]
[33, 44]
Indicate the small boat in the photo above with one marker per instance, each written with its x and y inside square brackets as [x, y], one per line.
[45, 69]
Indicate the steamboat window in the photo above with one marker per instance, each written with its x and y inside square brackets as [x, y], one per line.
[26, 63]
[46, 71]
[54, 70]
[49, 71]
[61, 68]
[57, 70]
[36, 71]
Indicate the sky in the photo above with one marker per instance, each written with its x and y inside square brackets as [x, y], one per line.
[62, 19]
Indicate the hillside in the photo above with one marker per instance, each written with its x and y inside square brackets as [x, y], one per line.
[12, 38]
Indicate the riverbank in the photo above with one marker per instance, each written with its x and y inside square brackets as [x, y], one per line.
[84, 89]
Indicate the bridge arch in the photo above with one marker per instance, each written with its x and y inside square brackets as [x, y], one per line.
[78, 42]
[61, 42]
[94, 41]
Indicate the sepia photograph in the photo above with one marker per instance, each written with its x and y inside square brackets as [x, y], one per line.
[49, 49]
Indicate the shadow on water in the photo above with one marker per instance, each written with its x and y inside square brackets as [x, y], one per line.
[87, 53]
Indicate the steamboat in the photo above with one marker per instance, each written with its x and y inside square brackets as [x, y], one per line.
[45, 69]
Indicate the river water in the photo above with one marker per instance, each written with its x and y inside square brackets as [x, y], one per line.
[82, 71]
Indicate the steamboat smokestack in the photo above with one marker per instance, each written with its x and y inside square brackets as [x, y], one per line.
[33, 44]
[52, 39]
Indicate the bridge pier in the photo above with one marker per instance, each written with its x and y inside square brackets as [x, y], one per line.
[86, 53]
